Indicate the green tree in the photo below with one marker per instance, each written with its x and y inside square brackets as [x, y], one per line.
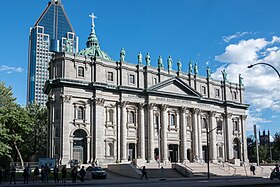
[14, 123]
[38, 136]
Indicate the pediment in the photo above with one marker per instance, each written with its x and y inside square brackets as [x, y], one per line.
[174, 86]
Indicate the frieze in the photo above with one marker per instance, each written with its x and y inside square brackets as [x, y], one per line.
[172, 100]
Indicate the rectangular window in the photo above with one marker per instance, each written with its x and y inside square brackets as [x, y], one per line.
[131, 79]
[110, 76]
[203, 90]
[155, 80]
[217, 92]
[234, 95]
[81, 72]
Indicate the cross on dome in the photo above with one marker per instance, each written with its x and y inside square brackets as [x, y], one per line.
[92, 18]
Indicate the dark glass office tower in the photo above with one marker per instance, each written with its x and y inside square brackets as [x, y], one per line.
[51, 33]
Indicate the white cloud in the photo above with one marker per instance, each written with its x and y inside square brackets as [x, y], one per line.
[10, 69]
[236, 35]
[261, 82]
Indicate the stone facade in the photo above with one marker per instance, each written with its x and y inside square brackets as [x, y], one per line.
[114, 111]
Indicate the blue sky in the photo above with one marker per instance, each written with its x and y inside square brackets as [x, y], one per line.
[221, 34]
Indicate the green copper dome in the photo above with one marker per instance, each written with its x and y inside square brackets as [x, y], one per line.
[93, 47]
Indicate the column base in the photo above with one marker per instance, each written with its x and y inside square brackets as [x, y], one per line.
[185, 161]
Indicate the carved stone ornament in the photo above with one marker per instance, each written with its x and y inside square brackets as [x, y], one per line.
[66, 98]
[100, 101]
[151, 105]
[164, 107]
[229, 115]
[213, 113]
[51, 97]
[183, 109]
[244, 117]
[196, 111]
[123, 103]
[142, 105]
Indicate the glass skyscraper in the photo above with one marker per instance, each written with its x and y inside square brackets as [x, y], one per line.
[51, 33]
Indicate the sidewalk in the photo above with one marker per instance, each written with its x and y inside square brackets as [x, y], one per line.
[236, 181]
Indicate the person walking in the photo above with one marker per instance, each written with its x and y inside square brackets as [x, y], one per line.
[82, 173]
[25, 175]
[253, 169]
[144, 173]
[42, 173]
[13, 175]
[63, 174]
[55, 174]
[1, 175]
[74, 173]
[36, 173]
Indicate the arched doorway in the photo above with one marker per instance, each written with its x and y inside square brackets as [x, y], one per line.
[80, 145]
[236, 148]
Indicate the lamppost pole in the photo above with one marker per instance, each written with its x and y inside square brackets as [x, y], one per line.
[208, 152]
[252, 65]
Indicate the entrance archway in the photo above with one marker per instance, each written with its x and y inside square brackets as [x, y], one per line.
[80, 145]
[131, 151]
[173, 152]
[236, 148]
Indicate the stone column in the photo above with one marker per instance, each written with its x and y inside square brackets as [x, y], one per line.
[164, 150]
[71, 148]
[244, 139]
[183, 135]
[64, 128]
[151, 133]
[141, 132]
[88, 150]
[199, 136]
[213, 136]
[123, 133]
[228, 137]
[195, 132]
[99, 132]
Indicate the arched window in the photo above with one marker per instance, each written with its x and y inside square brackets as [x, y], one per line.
[219, 125]
[111, 149]
[80, 112]
[204, 123]
[235, 125]
[172, 120]
[220, 152]
[111, 115]
[81, 72]
[131, 117]
[156, 123]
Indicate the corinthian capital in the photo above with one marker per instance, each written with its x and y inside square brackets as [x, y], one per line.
[66, 98]
[196, 111]
[99, 101]
[164, 107]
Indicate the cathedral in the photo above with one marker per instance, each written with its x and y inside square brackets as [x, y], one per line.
[116, 111]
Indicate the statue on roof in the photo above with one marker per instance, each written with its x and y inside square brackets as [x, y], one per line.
[122, 55]
[190, 67]
[179, 65]
[240, 80]
[208, 72]
[148, 60]
[224, 73]
[139, 56]
[160, 64]
[195, 69]
[169, 63]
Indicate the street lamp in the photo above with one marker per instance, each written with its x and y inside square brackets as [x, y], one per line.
[208, 152]
[252, 65]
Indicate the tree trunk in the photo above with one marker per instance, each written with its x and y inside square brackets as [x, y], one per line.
[19, 154]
